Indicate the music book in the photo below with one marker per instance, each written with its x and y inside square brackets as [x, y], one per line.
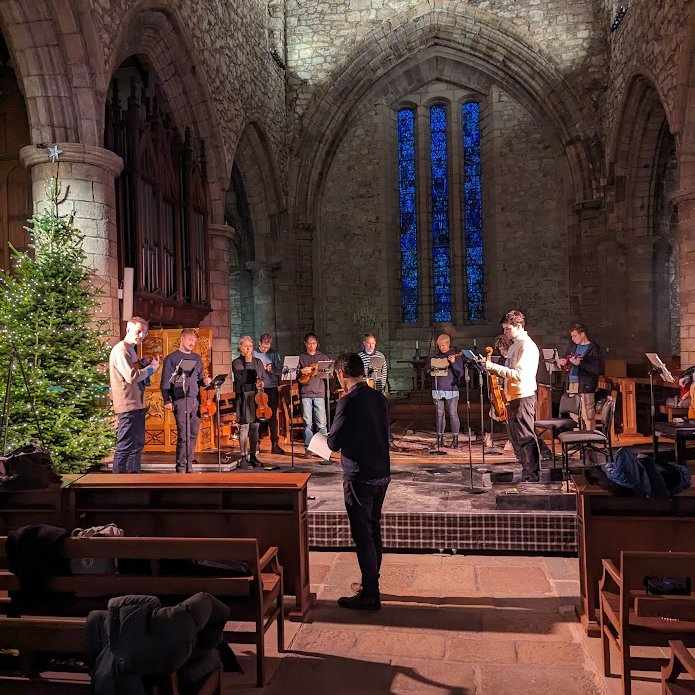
[290, 366]
[325, 368]
[439, 366]
[376, 363]
[660, 367]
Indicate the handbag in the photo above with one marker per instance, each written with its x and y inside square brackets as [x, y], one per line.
[98, 565]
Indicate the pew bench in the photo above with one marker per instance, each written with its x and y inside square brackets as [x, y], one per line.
[630, 617]
[163, 567]
[681, 662]
[35, 639]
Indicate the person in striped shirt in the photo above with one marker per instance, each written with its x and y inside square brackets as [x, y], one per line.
[368, 351]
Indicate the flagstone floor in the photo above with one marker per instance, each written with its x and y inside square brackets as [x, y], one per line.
[450, 624]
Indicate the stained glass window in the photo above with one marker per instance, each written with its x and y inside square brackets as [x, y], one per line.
[441, 266]
[473, 210]
[408, 223]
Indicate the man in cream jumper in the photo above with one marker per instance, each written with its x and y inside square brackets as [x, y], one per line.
[519, 376]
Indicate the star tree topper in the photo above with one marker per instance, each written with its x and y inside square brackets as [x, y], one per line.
[54, 153]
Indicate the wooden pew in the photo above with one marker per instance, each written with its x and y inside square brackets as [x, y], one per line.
[38, 637]
[681, 662]
[256, 598]
[630, 617]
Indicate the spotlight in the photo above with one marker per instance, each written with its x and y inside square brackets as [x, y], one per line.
[619, 16]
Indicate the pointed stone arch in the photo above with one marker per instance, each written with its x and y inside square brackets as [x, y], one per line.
[256, 208]
[155, 33]
[58, 58]
[495, 48]
[642, 182]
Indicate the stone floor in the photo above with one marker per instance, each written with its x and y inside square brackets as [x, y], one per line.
[450, 624]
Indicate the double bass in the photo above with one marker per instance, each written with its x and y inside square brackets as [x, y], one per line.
[496, 396]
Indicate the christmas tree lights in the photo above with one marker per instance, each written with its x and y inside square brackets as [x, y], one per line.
[48, 310]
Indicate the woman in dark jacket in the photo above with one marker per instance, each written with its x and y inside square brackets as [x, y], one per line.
[247, 371]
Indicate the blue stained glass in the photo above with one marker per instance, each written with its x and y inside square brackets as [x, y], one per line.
[473, 211]
[441, 266]
[408, 222]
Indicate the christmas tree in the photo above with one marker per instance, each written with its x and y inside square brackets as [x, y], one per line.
[49, 308]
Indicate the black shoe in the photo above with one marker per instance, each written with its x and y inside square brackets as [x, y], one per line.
[254, 462]
[276, 449]
[360, 602]
[440, 441]
[530, 479]
[455, 441]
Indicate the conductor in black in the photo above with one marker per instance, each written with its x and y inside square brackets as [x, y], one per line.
[360, 431]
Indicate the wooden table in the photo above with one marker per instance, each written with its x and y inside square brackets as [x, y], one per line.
[607, 524]
[269, 506]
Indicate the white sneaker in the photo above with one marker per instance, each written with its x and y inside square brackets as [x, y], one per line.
[508, 447]
[487, 440]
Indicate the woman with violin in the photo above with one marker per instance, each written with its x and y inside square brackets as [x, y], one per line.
[251, 402]
[184, 404]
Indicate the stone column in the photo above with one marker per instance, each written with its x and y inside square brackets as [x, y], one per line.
[90, 173]
[685, 200]
[219, 320]
[264, 287]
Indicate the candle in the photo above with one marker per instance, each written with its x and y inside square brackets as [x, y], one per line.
[416, 346]
[475, 344]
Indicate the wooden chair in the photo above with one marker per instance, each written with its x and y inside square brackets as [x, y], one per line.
[256, 598]
[556, 425]
[630, 617]
[36, 638]
[672, 411]
[681, 662]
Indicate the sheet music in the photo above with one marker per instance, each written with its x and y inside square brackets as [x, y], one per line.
[319, 446]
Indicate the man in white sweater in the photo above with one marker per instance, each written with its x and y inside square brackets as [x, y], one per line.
[128, 376]
[519, 376]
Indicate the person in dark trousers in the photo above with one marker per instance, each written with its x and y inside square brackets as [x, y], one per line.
[360, 431]
[272, 365]
[584, 360]
[182, 404]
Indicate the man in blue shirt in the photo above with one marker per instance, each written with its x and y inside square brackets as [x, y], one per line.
[585, 363]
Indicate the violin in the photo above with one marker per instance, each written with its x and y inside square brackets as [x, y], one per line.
[496, 397]
[568, 364]
[304, 378]
[208, 407]
[263, 409]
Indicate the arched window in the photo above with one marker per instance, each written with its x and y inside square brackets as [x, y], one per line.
[161, 201]
[442, 158]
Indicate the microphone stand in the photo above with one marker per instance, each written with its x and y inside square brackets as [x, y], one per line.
[471, 488]
[184, 381]
[289, 424]
[652, 410]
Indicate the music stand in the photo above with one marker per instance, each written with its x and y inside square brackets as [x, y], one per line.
[325, 368]
[470, 361]
[658, 367]
[183, 371]
[376, 366]
[216, 384]
[289, 370]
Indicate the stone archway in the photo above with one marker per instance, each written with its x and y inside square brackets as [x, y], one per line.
[637, 287]
[475, 38]
[255, 208]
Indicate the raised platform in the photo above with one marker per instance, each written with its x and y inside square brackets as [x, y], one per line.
[428, 506]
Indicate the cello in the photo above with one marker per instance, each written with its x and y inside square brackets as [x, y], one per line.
[495, 391]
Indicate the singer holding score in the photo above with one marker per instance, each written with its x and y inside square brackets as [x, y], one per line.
[181, 395]
[128, 376]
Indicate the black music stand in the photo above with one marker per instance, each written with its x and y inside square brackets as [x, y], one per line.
[658, 367]
[289, 370]
[439, 366]
[470, 361]
[216, 384]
